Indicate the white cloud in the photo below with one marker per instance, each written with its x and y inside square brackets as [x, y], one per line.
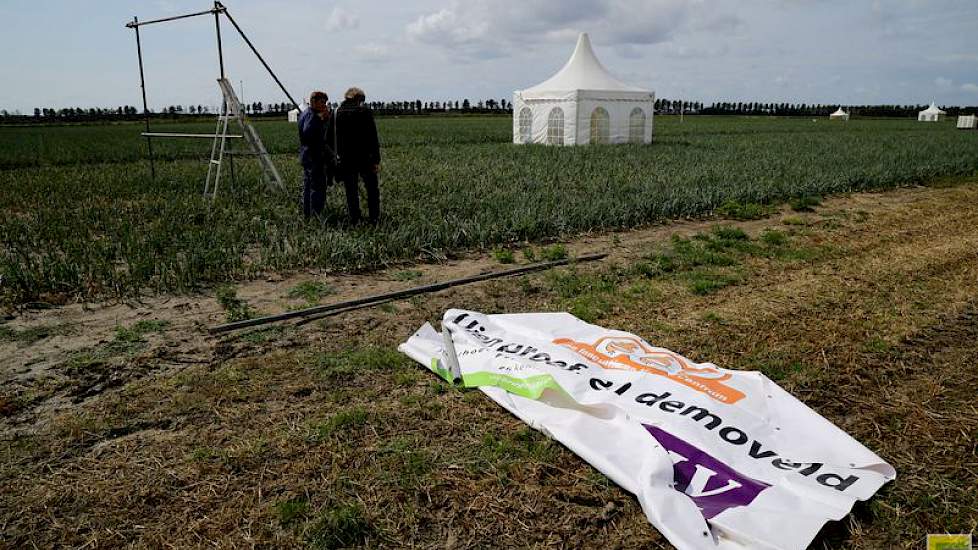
[449, 27]
[510, 25]
[341, 20]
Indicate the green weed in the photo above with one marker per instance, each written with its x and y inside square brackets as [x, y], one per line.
[312, 292]
[553, 253]
[361, 360]
[235, 308]
[289, 511]
[744, 211]
[264, 335]
[727, 233]
[504, 256]
[570, 283]
[31, 335]
[590, 308]
[407, 275]
[342, 424]
[341, 526]
[805, 203]
[702, 282]
[136, 332]
[773, 237]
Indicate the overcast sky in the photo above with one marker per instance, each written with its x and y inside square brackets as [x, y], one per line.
[59, 53]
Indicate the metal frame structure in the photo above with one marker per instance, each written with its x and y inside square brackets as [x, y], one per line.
[218, 10]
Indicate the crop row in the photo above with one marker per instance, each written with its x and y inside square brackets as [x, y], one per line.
[105, 229]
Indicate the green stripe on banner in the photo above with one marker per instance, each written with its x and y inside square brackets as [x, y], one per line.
[442, 372]
[531, 387]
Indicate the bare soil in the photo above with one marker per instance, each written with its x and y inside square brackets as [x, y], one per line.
[127, 424]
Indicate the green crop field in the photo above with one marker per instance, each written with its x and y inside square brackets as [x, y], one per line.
[82, 219]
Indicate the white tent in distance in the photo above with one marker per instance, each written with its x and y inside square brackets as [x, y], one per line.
[839, 115]
[583, 103]
[931, 114]
[294, 113]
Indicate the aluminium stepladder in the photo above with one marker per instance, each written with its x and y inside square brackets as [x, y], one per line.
[232, 109]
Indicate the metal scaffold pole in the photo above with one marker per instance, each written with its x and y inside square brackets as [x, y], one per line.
[218, 9]
[142, 87]
[231, 107]
[218, 5]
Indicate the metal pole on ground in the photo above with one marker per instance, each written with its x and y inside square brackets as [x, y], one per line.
[397, 295]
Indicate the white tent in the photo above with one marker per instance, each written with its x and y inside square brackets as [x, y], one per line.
[582, 104]
[966, 122]
[931, 114]
[294, 115]
[839, 115]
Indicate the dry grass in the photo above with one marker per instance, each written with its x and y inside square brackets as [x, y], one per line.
[867, 310]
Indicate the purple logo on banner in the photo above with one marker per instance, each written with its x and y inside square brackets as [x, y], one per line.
[711, 484]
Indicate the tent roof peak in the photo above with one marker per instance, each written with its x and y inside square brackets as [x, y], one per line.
[583, 71]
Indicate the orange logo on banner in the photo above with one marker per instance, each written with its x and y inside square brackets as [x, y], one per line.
[630, 353]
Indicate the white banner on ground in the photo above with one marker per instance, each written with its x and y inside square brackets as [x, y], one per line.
[718, 459]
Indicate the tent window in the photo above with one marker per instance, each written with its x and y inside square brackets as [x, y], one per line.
[555, 127]
[526, 125]
[636, 126]
[600, 126]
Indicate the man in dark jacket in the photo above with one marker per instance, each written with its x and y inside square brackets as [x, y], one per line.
[315, 154]
[357, 147]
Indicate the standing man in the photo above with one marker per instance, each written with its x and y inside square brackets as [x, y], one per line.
[358, 153]
[314, 154]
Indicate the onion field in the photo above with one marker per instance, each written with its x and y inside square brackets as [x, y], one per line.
[80, 218]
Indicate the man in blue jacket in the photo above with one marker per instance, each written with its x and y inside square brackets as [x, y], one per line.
[314, 154]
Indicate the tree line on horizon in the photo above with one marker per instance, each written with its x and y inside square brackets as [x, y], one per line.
[465, 106]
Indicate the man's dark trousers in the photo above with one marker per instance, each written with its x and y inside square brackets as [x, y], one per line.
[313, 189]
[369, 177]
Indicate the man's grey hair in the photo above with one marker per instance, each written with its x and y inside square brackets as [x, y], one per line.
[355, 93]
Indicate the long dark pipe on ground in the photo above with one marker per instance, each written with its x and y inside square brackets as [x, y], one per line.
[377, 299]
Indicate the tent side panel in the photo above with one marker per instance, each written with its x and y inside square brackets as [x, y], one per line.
[584, 109]
[571, 115]
[517, 107]
[651, 131]
[620, 114]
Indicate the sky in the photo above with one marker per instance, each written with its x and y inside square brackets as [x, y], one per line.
[67, 53]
